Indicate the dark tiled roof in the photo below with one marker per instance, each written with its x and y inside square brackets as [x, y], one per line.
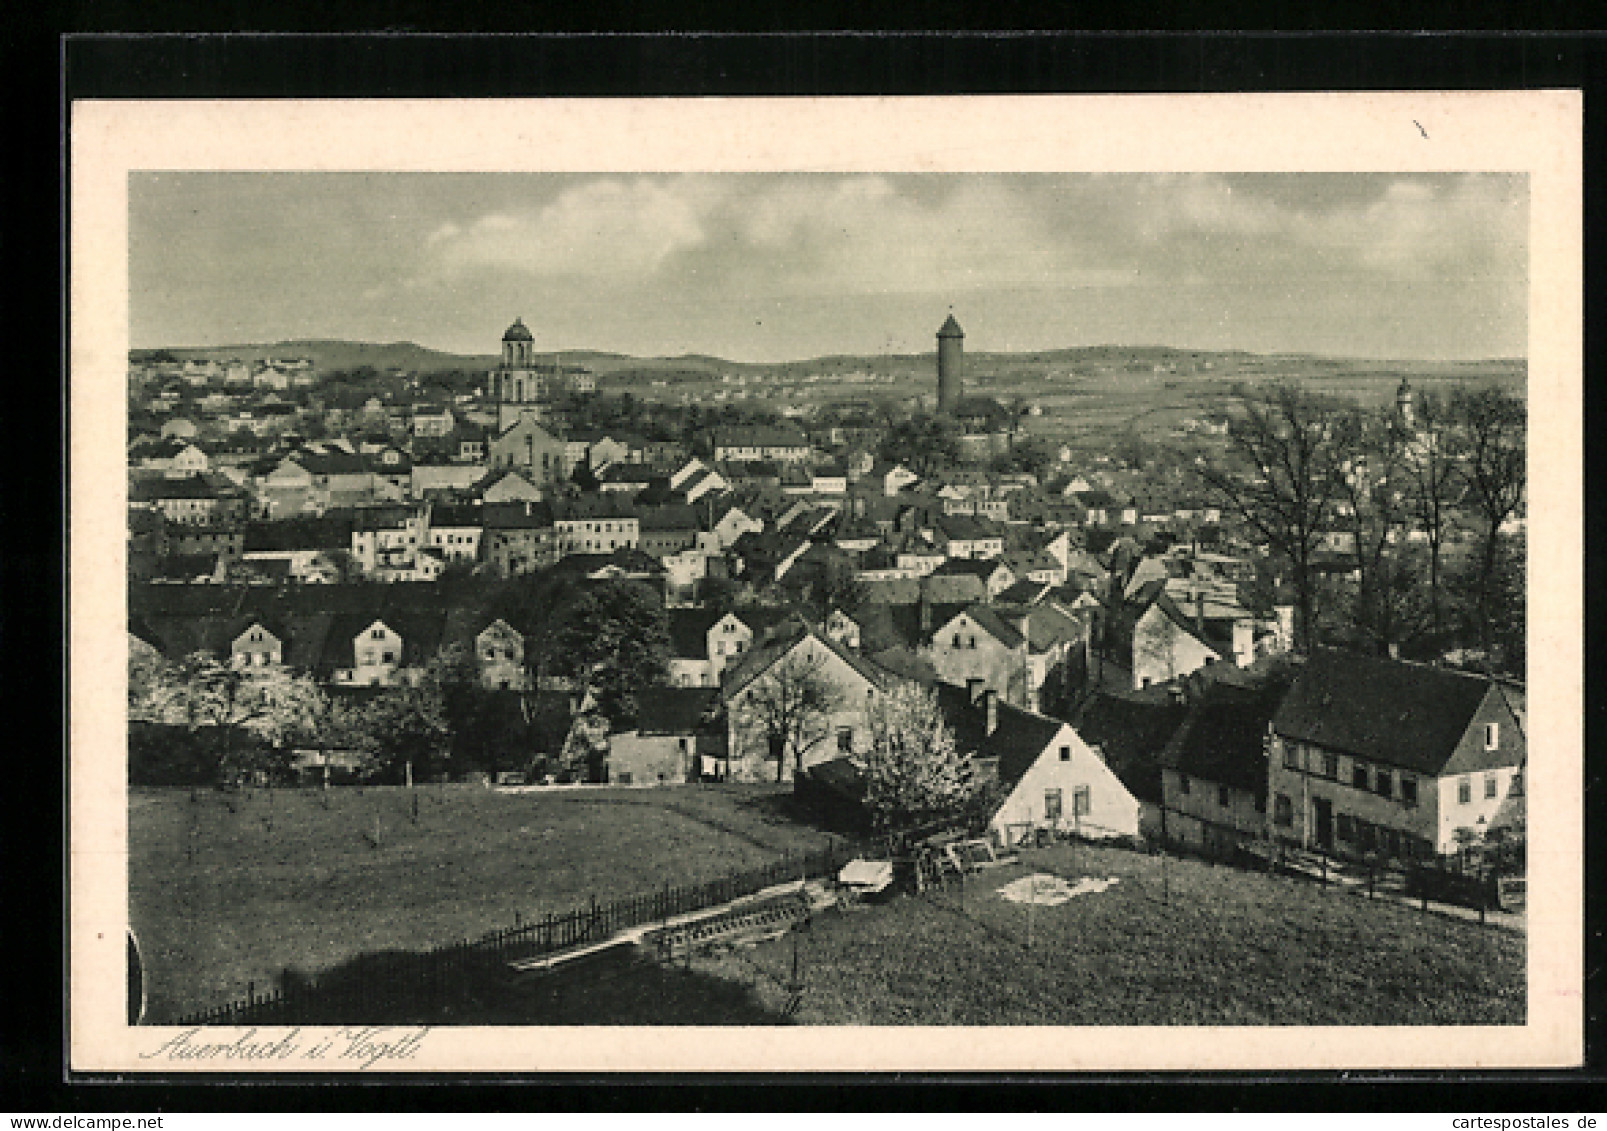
[1223, 740]
[967, 528]
[1406, 715]
[996, 625]
[673, 517]
[1131, 730]
[689, 632]
[674, 710]
[950, 589]
[1017, 740]
[593, 506]
[982, 568]
[517, 516]
[447, 515]
[1025, 593]
[760, 436]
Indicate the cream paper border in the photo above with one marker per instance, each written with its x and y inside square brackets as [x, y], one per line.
[1538, 133]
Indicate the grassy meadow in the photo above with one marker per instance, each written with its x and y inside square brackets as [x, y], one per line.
[1203, 945]
[294, 879]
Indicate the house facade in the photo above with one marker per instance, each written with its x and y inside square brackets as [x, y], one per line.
[766, 672]
[500, 651]
[1051, 778]
[1379, 756]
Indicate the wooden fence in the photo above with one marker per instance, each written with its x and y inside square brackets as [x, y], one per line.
[399, 988]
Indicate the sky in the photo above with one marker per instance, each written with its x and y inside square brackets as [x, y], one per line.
[774, 267]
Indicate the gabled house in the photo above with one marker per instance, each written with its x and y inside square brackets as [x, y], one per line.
[781, 443]
[1049, 777]
[676, 738]
[455, 532]
[500, 650]
[733, 523]
[1169, 642]
[964, 536]
[518, 537]
[370, 656]
[1129, 731]
[1380, 756]
[994, 574]
[507, 485]
[526, 445]
[256, 646]
[769, 669]
[979, 647]
[596, 524]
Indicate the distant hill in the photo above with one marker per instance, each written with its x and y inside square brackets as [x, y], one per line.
[622, 369]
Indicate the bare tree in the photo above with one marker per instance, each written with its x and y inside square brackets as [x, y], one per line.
[1432, 466]
[791, 705]
[1375, 510]
[1284, 479]
[1495, 426]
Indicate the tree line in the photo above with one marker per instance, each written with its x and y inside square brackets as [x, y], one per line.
[1413, 509]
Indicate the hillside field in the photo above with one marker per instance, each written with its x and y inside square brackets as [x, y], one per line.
[1209, 945]
[283, 881]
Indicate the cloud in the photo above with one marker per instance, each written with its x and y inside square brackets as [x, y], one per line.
[601, 228]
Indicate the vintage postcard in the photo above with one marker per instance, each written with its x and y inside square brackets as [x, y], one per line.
[928, 584]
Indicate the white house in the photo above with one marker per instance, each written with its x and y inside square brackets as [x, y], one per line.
[1052, 779]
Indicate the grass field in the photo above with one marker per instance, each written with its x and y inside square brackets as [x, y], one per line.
[283, 881]
[1225, 947]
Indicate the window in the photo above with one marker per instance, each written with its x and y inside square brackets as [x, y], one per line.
[1409, 792]
[1492, 737]
[972, 642]
[1464, 791]
[1283, 812]
[1051, 805]
[1082, 801]
[1490, 786]
[1065, 753]
[390, 657]
[624, 777]
[845, 739]
[1260, 803]
[1223, 798]
[1183, 784]
[377, 634]
[1291, 756]
[1358, 776]
[1384, 784]
[1330, 766]
[1345, 826]
[956, 639]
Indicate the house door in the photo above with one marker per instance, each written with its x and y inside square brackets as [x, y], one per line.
[1323, 809]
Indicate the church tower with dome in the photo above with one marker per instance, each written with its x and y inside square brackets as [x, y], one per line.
[518, 385]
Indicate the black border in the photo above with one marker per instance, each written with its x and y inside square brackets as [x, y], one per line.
[399, 65]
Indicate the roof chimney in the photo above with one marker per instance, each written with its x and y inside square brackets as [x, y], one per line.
[1199, 610]
[990, 702]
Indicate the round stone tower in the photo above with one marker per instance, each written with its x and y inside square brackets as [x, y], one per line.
[950, 365]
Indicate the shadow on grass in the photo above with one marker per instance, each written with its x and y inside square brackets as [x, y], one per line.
[623, 986]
